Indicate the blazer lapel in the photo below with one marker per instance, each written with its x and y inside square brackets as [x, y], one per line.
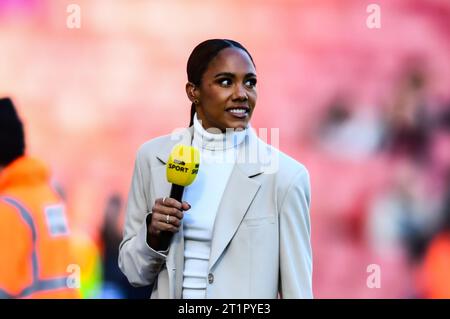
[175, 257]
[238, 195]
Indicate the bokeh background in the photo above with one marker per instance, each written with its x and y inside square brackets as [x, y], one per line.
[365, 109]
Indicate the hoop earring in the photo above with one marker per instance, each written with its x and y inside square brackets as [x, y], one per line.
[196, 101]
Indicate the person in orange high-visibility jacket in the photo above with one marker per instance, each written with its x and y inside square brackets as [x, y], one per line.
[35, 255]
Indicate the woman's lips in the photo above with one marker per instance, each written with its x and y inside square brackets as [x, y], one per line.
[239, 113]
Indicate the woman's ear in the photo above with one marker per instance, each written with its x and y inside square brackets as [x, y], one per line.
[192, 92]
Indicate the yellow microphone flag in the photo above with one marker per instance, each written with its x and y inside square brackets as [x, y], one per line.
[182, 165]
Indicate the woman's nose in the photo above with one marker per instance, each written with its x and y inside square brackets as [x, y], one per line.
[240, 93]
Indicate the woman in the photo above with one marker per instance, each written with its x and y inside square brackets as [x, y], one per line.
[243, 228]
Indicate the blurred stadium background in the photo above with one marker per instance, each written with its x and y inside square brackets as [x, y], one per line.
[366, 110]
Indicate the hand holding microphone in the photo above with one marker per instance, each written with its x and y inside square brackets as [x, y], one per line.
[167, 213]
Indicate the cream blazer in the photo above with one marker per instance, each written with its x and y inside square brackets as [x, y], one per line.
[261, 244]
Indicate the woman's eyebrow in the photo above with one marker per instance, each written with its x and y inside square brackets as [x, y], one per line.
[232, 75]
[228, 74]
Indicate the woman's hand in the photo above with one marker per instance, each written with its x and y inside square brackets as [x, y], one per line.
[167, 214]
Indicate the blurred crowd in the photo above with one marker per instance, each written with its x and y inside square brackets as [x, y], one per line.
[399, 213]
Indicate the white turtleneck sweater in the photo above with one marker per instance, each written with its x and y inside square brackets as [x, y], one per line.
[217, 157]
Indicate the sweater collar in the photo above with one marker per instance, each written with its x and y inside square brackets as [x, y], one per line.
[216, 141]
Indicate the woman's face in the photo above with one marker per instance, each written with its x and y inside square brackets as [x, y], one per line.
[227, 94]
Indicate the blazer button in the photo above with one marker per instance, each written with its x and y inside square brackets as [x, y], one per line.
[210, 278]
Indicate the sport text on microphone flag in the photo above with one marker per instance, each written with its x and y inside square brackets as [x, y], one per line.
[182, 165]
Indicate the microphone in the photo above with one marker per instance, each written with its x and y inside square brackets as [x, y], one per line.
[181, 170]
